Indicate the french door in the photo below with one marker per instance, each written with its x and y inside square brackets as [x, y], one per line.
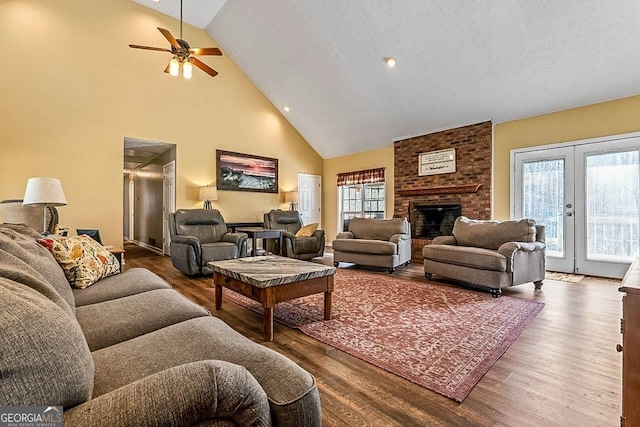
[587, 196]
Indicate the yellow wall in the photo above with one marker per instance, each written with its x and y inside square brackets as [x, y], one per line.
[607, 118]
[71, 89]
[380, 158]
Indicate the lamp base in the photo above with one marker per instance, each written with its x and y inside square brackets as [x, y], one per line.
[207, 204]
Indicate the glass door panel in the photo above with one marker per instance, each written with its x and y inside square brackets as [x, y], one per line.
[609, 232]
[544, 191]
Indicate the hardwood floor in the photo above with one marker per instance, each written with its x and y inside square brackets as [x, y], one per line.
[563, 370]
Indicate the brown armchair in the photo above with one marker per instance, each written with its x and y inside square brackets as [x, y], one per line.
[289, 222]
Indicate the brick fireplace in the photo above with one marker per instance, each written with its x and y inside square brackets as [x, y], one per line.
[426, 200]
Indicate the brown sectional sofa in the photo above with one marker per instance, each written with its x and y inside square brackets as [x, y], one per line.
[129, 350]
[495, 254]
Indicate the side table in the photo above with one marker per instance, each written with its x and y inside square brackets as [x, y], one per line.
[256, 233]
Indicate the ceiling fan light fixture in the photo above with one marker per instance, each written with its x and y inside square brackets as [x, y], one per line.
[174, 67]
[187, 70]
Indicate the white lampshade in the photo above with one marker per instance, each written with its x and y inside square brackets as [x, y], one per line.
[291, 197]
[44, 192]
[207, 193]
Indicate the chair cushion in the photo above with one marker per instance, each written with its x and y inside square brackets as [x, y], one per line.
[492, 234]
[44, 358]
[207, 225]
[306, 245]
[365, 246]
[219, 251]
[127, 323]
[83, 260]
[378, 229]
[483, 259]
[131, 282]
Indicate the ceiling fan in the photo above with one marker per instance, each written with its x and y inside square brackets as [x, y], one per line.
[182, 54]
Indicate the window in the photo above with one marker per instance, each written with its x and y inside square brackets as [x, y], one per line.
[361, 200]
[361, 195]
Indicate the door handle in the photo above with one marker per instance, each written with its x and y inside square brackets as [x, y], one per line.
[569, 214]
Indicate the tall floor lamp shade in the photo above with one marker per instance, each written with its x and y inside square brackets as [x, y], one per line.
[44, 192]
[207, 194]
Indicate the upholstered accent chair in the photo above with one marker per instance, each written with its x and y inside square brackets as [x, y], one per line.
[376, 242]
[199, 236]
[495, 254]
[14, 212]
[299, 247]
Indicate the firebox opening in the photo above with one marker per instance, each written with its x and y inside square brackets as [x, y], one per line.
[430, 220]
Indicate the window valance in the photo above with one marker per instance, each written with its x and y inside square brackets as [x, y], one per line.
[367, 176]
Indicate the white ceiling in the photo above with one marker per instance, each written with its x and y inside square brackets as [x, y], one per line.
[459, 61]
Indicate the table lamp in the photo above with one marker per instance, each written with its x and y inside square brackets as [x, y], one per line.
[207, 194]
[44, 192]
[291, 197]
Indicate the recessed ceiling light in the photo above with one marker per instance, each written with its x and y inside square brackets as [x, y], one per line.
[390, 61]
[286, 109]
[156, 1]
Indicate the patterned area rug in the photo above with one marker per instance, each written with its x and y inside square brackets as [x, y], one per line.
[440, 337]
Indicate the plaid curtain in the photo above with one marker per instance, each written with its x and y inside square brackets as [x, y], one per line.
[368, 176]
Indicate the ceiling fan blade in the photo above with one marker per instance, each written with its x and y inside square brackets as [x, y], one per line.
[161, 49]
[166, 70]
[204, 67]
[205, 51]
[169, 37]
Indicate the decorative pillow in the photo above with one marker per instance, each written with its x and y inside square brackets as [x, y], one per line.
[307, 230]
[83, 260]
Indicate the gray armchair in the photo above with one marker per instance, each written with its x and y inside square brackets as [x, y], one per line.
[199, 236]
[293, 247]
[495, 254]
[14, 212]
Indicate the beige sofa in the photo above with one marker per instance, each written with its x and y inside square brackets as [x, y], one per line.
[495, 254]
[130, 351]
[377, 242]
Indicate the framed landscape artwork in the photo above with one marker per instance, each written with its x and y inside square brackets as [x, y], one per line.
[245, 172]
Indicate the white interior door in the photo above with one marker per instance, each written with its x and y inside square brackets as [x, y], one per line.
[168, 202]
[587, 195]
[309, 198]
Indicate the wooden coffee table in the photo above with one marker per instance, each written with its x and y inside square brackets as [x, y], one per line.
[273, 279]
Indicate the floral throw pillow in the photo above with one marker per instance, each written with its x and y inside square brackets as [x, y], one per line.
[83, 260]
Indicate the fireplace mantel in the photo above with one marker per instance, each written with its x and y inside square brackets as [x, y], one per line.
[457, 189]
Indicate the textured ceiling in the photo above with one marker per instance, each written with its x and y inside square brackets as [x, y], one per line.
[459, 61]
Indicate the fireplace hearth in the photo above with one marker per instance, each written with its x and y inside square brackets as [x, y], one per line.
[429, 220]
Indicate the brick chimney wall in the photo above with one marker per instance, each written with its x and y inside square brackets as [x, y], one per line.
[473, 167]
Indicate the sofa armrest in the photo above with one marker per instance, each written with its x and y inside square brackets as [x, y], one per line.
[183, 395]
[444, 240]
[236, 238]
[345, 235]
[397, 238]
[509, 250]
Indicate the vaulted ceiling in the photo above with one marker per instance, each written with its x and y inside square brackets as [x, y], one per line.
[459, 61]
